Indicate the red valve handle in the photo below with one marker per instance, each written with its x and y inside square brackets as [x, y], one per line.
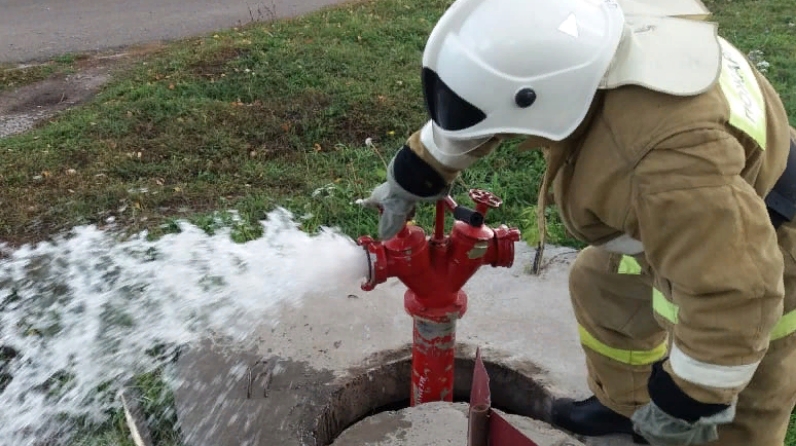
[484, 200]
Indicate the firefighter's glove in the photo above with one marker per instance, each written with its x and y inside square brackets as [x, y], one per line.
[673, 418]
[409, 180]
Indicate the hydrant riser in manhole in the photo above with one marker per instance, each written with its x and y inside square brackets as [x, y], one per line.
[434, 269]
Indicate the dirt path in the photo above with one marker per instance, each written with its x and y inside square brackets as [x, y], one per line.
[38, 30]
[21, 108]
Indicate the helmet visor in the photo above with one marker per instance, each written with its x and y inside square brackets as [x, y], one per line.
[448, 110]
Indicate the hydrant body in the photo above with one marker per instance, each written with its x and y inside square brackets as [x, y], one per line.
[435, 269]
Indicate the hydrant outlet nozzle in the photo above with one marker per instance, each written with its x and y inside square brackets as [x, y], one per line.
[377, 262]
[505, 238]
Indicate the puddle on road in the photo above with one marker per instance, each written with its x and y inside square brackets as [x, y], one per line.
[22, 108]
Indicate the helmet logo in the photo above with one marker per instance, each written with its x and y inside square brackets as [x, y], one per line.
[570, 26]
[525, 97]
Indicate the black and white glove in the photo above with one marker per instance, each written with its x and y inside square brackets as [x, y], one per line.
[409, 180]
[673, 418]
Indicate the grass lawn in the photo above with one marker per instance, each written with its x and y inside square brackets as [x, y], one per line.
[278, 115]
[248, 119]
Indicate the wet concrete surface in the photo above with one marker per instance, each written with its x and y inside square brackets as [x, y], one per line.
[42, 29]
[420, 426]
[248, 399]
[521, 322]
[435, 424]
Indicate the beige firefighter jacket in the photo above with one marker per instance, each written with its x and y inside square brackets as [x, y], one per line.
[678, 183]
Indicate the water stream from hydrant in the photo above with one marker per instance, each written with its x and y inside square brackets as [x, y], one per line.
[83, 311]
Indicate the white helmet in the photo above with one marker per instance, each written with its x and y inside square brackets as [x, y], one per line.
[529, 67]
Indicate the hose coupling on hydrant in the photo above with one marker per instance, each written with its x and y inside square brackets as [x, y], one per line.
[435, 269]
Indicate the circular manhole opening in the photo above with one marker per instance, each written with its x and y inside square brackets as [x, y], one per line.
[387, 387]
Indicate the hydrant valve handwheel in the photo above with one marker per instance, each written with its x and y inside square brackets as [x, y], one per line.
[434, 269]
[485, 198]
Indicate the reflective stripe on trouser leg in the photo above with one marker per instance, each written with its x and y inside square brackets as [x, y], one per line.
[617, 328]
[629, 357]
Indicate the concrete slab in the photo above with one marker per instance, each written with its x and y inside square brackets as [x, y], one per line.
[332, 346]
[419, 426]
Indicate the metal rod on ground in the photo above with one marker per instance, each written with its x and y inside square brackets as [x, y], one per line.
[134, 416]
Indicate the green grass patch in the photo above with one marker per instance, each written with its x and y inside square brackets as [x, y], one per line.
[766, 31]
[268, 115]
[156, 402]
[277, 115]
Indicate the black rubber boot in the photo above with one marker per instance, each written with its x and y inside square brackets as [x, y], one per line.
[591, 418]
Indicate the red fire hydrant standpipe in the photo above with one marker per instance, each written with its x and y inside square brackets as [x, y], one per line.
[435, 269]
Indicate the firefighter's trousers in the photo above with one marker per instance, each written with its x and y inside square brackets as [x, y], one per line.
[615, 305]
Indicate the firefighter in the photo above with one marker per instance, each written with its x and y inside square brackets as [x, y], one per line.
[672, 157]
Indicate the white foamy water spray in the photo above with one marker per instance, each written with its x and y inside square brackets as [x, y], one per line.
[82, 311]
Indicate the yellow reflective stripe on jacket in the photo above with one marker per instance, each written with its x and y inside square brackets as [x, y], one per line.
[629, 265]
[631, 357]
[740, 87]
[667, 310]
[785, 326]
[670, 311]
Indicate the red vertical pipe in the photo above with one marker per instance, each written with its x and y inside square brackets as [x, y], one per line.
[439, 221]
[432, 360]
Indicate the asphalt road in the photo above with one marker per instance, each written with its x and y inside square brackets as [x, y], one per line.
[33, 30]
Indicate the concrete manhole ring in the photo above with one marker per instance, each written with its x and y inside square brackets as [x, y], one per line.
[218, 404]
[375, 403]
